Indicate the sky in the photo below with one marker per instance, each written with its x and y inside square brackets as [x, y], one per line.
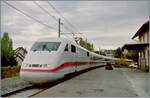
[106, 24]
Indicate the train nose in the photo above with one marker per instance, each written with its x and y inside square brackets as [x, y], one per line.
[38, 78]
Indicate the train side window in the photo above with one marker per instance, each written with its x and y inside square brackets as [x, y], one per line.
[66, 48]
[88, 54]
[73, 48]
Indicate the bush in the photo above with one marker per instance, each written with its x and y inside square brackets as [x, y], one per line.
[12, 61]
[120, 62]
[7, 72]
[8, 61]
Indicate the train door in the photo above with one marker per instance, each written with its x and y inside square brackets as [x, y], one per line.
[74, 57]
[69, 58]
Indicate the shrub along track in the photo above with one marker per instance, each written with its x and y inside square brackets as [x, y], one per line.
[7, 72]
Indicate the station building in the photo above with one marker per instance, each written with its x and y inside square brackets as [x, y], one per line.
[141, 46]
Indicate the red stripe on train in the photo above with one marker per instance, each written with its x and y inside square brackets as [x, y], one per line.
[67, 64]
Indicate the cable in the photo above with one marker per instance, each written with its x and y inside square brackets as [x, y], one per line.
[61, 15]
[29, 15]
[49, 14]
[67, 28]
[45, 10]
[67, 36]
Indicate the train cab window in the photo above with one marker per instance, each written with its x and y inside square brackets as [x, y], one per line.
[45, 46]
[66, 48]
[73, 48]
[88, 54]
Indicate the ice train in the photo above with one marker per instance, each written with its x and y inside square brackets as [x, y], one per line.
[50, 59]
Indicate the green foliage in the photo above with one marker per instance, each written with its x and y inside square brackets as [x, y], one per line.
[129, 55]
[120, 62]
[118, 53]
[7, 52]
[6, 45]
[132, 55]
[86, 45]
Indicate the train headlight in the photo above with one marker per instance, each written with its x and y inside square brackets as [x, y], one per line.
[50, 66]
[25, 65]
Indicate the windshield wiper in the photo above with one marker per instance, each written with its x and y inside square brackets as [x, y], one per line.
[34, 50]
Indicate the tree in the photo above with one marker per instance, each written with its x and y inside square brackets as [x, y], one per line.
[131, 55]
[86, 45]
[118, 53]
[7, 50]
[5, 45]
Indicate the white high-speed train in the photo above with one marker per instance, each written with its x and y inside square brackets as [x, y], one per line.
[50, 59]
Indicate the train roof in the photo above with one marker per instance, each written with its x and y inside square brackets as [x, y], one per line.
[54, 39]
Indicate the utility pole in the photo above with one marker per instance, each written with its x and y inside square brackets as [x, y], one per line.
[59, 21]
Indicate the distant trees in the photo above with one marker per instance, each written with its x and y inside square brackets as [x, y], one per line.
[7, 53]
[86, 44]
[131, 55]
[118, 53]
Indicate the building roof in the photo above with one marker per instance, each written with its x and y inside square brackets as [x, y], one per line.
[144, 28]
[135, 46]
[20, 48]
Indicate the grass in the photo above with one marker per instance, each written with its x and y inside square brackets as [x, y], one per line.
[12, 78]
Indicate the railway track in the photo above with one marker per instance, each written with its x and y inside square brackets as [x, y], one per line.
[32, 90]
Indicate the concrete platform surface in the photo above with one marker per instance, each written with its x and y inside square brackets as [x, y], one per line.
[102, 83]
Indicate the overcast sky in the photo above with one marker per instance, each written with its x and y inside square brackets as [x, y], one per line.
[106, 24]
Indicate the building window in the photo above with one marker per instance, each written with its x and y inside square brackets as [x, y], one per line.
[73, 49]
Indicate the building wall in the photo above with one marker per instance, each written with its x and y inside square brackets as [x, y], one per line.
[20, 55]
[144, 37]
[144, 55]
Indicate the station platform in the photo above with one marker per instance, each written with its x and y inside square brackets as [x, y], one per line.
[119, 82]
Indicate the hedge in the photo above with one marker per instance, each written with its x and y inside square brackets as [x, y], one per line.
[7, 72]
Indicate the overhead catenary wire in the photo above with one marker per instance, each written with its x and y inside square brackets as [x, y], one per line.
[29, 16]
[45, 10]
[65, 27]
[62, 16]
[50, 15]
[67, 36]
[64, 34]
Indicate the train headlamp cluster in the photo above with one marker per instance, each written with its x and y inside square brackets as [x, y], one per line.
[35, 65]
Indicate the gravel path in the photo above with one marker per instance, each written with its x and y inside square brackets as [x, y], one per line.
[12, 84]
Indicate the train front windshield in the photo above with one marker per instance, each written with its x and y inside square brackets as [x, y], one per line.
[45, 46]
